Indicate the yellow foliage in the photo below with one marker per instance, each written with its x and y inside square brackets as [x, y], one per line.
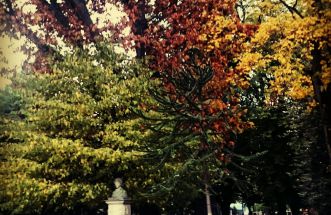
[218, 32]
[283, 46]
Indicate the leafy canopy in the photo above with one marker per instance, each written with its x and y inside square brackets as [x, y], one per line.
[78, 134]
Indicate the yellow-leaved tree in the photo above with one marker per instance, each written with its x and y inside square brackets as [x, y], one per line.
[68, 134]
[293, 45]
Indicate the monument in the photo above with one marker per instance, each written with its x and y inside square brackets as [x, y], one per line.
[119, 203]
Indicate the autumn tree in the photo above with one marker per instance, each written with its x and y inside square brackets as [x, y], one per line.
[213, 29]
[177, 30]
[292, 44]
[68, 20]
[164, 31]
[192, 132]
[77, 135]
[51, 26]
[155, 28]
[296, 130]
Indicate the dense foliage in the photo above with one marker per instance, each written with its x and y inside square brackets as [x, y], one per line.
[293, 44]
[237, 105]
[186, 137]
[78, 135]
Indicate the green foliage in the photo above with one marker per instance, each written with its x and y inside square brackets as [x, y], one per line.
[9, 102]
[289, 173]
[80, 134]
[10, 115]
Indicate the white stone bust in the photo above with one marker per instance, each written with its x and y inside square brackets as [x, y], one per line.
[119, 193]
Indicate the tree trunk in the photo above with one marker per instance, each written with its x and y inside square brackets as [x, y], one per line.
[250, 211]
[208, 203]
[323, 97]
[140, 26]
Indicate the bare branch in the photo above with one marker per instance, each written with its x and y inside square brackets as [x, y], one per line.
[241, 5]
[295, 3]
[292, 9]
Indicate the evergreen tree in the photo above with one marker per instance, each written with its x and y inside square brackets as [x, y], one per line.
[192, 134]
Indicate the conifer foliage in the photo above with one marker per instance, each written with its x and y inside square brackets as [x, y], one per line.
[191, 138]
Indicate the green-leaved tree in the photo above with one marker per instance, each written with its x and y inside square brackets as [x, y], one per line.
[78, 134]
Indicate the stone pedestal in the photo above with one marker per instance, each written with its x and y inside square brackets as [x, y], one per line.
[119, 207]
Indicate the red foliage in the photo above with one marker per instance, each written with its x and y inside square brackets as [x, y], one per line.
[174, 28]
[164, 30]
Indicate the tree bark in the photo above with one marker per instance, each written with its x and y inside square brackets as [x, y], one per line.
[208, 202]
[60, 17]
[81, 11]
[323, 97]
[140, 25]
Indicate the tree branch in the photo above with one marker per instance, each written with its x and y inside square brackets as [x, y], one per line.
[81, 11]
[23, 28]
[60, 17]
[292, 9]
[10, 7]
[243, 9]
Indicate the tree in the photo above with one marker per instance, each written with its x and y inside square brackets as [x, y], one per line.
[191, 132]
[69, 20]
[292, 44]
[175, 29]
[287, 173]
[293, 161]
[273, 176]
[78, 135]
[163, 30]
[55, 25]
